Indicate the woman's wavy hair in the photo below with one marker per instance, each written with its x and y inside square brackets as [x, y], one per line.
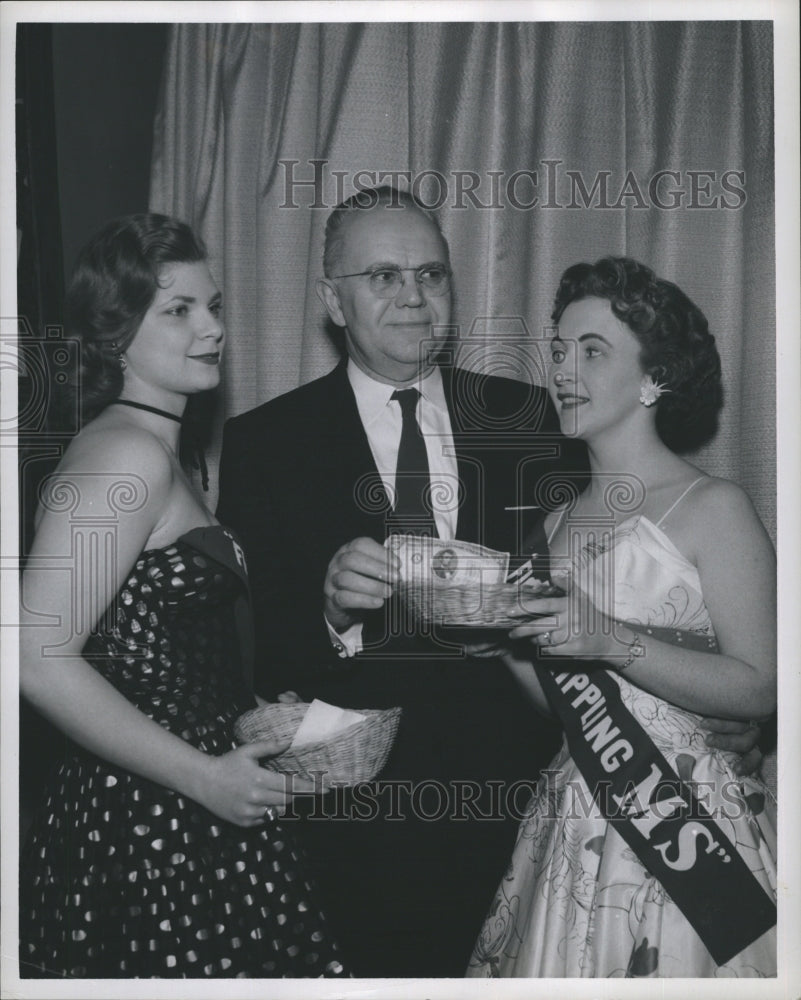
[677, 349]
[114, 283]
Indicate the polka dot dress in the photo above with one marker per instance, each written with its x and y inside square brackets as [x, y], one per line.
[122, 877]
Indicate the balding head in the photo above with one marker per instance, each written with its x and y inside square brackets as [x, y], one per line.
[384, 198]
[387, 283]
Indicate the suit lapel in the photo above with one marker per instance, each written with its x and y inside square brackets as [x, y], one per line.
[487, 461]
[468, 517]
[350, 461]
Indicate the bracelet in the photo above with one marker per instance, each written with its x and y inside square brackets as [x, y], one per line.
[636, 650]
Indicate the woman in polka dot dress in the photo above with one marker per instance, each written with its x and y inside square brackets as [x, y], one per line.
[158, 850]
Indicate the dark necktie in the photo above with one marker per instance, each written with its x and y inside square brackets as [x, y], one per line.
[411, 514]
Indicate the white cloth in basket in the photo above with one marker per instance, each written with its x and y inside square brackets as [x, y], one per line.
[322, 722]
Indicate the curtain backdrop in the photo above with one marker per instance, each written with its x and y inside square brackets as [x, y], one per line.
[595, 110]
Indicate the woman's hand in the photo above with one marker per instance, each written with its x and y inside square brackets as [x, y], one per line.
[567, 626]
[236, 788]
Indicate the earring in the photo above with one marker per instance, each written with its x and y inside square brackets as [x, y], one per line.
[650, 390]
[119, 356]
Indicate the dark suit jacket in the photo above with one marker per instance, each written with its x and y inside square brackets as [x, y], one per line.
[298, 480]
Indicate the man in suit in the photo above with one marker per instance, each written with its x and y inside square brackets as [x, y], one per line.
[313, 482]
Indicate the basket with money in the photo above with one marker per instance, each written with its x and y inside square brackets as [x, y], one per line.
[453, 583]
[329, 745]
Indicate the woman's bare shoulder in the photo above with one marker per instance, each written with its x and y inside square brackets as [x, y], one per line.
[720, 508]
[110, 445]
[716, 496]
[109, 461]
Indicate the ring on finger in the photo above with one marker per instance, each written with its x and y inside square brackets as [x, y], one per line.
[546, 638]
[270, 813]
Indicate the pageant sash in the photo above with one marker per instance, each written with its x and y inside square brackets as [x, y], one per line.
[222, 545]
[669, 829]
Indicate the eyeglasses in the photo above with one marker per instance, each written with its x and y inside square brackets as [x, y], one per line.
[387, 280]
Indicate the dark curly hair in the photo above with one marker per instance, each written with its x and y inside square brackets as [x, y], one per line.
[677, 348]
[114, 283]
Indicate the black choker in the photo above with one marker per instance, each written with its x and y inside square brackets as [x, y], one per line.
[199, 460]
[150, 409]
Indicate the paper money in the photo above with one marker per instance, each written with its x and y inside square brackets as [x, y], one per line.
[462, 584]
[434, 562]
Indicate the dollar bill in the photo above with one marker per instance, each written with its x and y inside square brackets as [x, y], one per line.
[434, 562]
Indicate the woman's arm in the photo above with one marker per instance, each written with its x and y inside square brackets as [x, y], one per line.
[64, 593]
[737, 569]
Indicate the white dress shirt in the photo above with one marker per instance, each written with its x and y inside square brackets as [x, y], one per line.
[382, 421]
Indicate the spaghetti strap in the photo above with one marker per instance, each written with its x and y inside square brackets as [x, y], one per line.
[676, 502]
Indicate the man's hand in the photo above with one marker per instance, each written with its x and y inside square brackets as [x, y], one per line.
[737, 737]
[360, 578]
[485, 650]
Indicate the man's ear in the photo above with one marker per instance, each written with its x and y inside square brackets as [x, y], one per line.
[329, 296]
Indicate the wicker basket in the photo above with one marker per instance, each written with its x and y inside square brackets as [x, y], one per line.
[356, 754]
[487, 605]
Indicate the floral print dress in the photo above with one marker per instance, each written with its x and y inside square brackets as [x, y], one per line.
[575, 900]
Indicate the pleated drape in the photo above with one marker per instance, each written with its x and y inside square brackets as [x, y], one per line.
[595, 110]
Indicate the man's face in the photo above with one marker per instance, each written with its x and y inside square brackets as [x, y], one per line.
[384, 335]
